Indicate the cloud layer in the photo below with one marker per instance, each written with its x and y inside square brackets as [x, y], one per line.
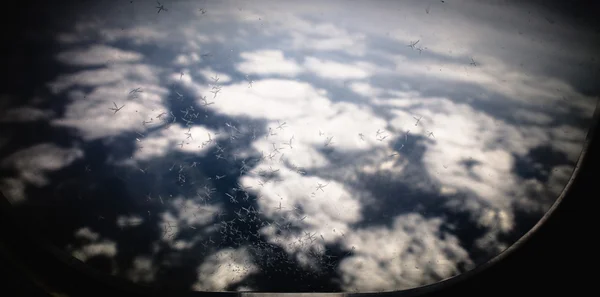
[343, 150]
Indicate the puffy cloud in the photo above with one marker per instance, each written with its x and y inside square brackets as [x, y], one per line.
[129, 221]
[186, 60]
[142, 270]
[97, 55]
[463, 136]
[87, 233]
[185, 213]
[114, 74]
[32, 163]
[472, 152]
[195, 139]
[93, 245]
[268, 99]
[305, 110]
[224, 268]
[324, 208]
[336, 70]
[215, 77]
[412, 252]
[94, 119]
[365, 89]
[268, 62]
[103, 248]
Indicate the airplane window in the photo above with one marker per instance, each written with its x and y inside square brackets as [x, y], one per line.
[294, 146]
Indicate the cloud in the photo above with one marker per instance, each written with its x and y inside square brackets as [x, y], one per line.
[306, 181]
[185, 213]
[93, 119]
[109, 76]
[412, 252]
[129, 221]
[139, 35]
[268, 62]
[464, 136]
[186, 60]
[533, 117]
[13, 189]
[87, 233]
[324, 208]
[538, 196]
[93, 245]
[97, 55]
[105, 248]
[224, 268]
[215, 77]
[194, 139]
[34, 162]
[284, 98]
[25, 114]
[305, 110]
[365, 89]
[142, 270]
[339, 43]
[336, 70]
[321, 36]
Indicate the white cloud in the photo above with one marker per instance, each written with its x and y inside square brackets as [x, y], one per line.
[186, 59]
[336, 70]
[87, 233]
[413, 252]
[461, 134]
[349, 44]
[97, 55]
[268, 62]
[224, 268]
[175, 138]
[305, 110]
[113, 75]
[92, 116]
[103, 248]
[32, 163]
[93, 245]
[214, 77]
[185, 213]
[269, 99]
[129, 221]
[365, 89]
[315, 205]
[319, 35]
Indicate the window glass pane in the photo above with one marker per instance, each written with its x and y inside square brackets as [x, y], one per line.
[294, 145]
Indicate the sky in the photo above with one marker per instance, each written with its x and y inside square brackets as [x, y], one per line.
[317, 146]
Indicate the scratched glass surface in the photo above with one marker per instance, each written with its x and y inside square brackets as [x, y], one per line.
[295, 145]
